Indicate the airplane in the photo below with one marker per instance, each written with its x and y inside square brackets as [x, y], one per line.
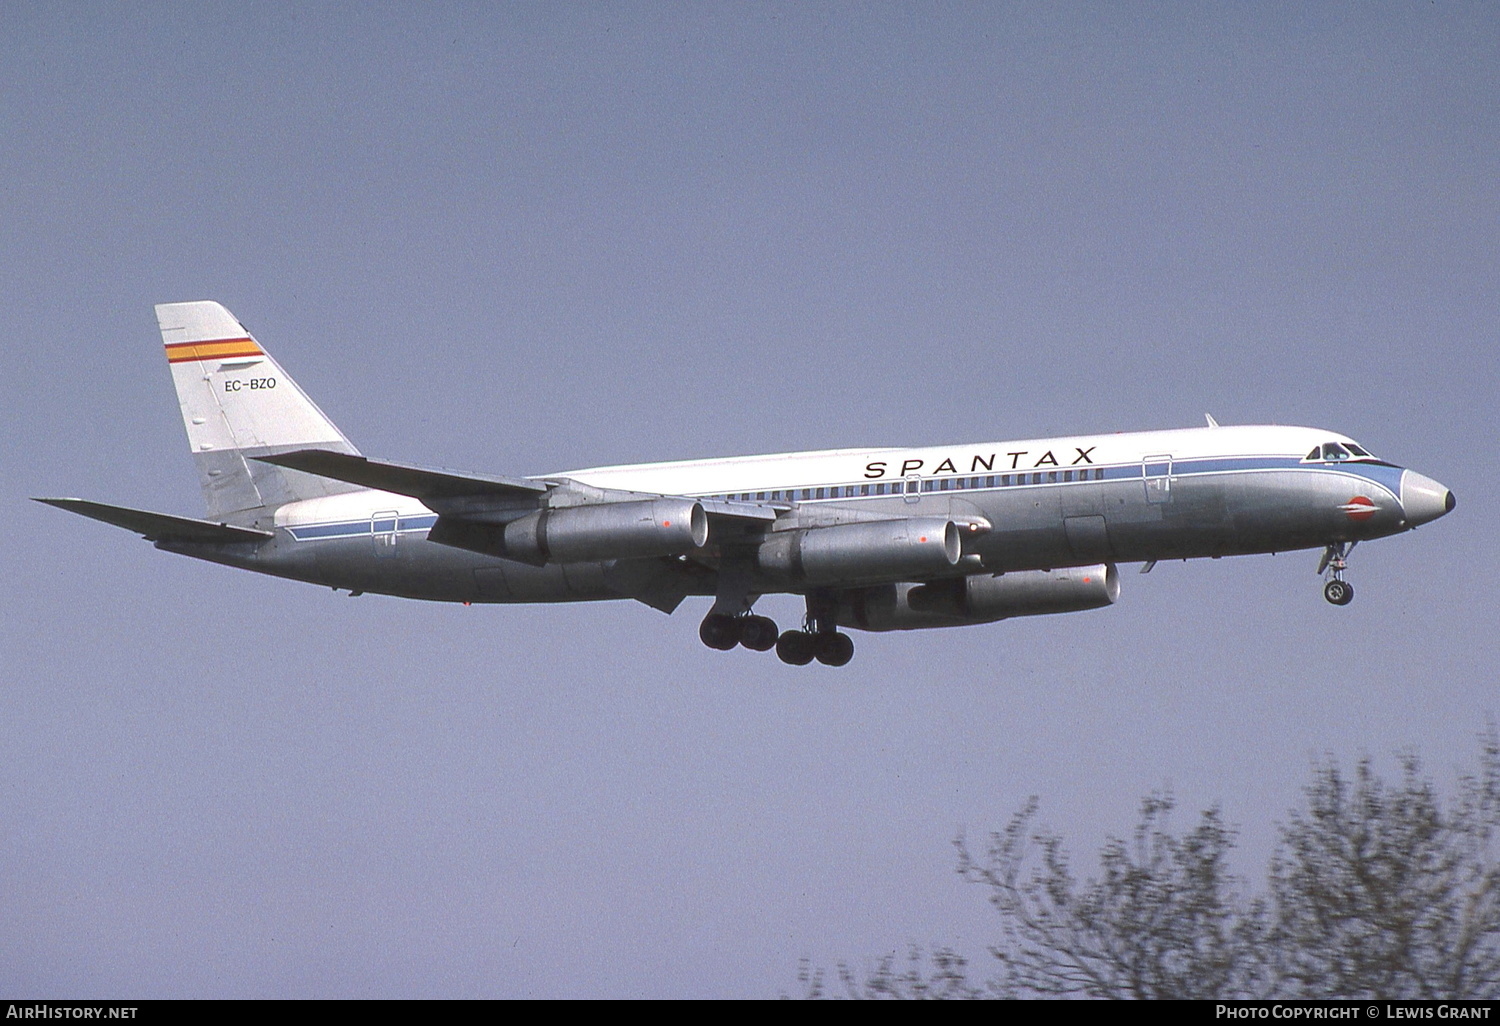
[873, 539]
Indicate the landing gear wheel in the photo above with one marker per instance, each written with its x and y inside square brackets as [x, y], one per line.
[758, 633]
[795, 648]
[834, 649]
[1340, 593]
[720, 631]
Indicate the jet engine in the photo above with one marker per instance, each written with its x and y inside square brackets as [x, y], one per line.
[608, 530]
[979, 599]
[850, 554]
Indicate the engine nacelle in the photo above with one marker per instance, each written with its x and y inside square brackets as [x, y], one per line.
[608, 530]
[850, 554]
[979, 599]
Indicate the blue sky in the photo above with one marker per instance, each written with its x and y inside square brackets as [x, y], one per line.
[513, 239]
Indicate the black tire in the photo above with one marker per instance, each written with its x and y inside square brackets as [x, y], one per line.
[1340, 593]
[758, 633]
[795, 648]
[835, 649]
[720, 631]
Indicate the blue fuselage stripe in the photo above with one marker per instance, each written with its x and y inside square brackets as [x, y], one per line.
[356, 528]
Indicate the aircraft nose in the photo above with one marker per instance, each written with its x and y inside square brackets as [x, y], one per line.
[1424, 499]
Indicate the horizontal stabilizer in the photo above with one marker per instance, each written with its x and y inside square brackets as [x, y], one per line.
[404, 479]
[161, 526]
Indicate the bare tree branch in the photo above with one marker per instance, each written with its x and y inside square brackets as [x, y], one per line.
[1375, 891]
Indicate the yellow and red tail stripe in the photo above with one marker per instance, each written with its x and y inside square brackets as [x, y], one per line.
[220, 349]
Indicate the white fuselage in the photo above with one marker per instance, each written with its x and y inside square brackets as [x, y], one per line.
[1048, 502]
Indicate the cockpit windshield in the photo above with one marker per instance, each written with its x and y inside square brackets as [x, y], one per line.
[1338, 452]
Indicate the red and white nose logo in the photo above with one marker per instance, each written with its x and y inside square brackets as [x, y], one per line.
[1360, 507]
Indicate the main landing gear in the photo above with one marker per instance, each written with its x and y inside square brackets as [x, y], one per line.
[828, 647]
[723, 632]
[1335, 561]
[819, 639]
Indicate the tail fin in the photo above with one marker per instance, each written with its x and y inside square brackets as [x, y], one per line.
[237, 403]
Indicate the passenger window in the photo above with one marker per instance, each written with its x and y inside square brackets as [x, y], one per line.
[1052, 477]
[1067, 475]
[989, 482]
[1005, 480]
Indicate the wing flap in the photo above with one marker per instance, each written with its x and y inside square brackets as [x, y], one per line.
[161, 526]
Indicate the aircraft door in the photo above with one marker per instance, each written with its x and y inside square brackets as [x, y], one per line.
[383, 532]
[913, 488]
[1156, 472]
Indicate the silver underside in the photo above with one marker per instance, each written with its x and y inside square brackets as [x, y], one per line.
[1080, 523]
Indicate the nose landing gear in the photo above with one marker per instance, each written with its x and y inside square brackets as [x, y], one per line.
[1340, 593]
[1335, 561]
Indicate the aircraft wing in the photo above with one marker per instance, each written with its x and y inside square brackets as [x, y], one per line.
[443, 491]
[160, 526]
[461, 495]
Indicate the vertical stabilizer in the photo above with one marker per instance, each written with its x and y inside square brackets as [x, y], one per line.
[238, 403]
